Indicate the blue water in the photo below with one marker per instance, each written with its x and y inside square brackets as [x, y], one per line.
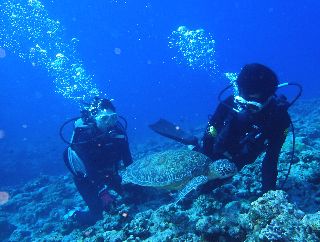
[142, 77]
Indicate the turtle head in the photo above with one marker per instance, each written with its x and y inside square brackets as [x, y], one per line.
[220, 169]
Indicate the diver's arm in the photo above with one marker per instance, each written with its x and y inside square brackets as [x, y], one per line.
[127, 158]
[270, 161]
[220, 113]
[126, 153]
[269, 166]
[121, 138]
[215, 123]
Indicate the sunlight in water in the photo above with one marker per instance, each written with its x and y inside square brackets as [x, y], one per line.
[27, 30]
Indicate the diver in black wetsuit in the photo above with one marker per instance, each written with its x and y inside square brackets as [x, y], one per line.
[99, 143]
[252, 121]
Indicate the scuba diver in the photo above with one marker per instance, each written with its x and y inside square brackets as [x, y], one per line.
[98, 148]
[252, 121]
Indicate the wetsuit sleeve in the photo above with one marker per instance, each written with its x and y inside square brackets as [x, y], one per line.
[214, 125]
[270, 161]
[127, 158]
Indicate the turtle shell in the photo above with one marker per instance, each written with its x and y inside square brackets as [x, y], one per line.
[166, 168]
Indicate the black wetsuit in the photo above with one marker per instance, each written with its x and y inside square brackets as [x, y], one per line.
[101, 154]
[242, 137]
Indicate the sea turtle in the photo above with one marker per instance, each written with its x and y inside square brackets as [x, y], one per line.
[180, 169]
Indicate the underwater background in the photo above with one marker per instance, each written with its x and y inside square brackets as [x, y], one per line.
[136, 53]
[125, 45]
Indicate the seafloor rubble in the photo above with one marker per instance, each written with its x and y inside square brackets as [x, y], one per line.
[229, 210]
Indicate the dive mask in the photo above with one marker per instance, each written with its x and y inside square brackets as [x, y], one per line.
[252, 106]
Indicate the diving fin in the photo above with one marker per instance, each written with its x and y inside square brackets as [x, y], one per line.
[172, 131]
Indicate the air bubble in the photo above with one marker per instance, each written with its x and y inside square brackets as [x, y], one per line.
[195, 48]
[27, 31]
[2, 53]
[117, 51]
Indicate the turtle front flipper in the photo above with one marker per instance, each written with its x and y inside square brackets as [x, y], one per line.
[191, 185]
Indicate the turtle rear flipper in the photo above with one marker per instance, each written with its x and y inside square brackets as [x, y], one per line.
[191, 185]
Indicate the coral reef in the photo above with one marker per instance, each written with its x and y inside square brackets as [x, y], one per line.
[230, 210]
[273, 218]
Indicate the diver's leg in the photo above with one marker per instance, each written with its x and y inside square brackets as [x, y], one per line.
[114, 182]
[90, 194]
